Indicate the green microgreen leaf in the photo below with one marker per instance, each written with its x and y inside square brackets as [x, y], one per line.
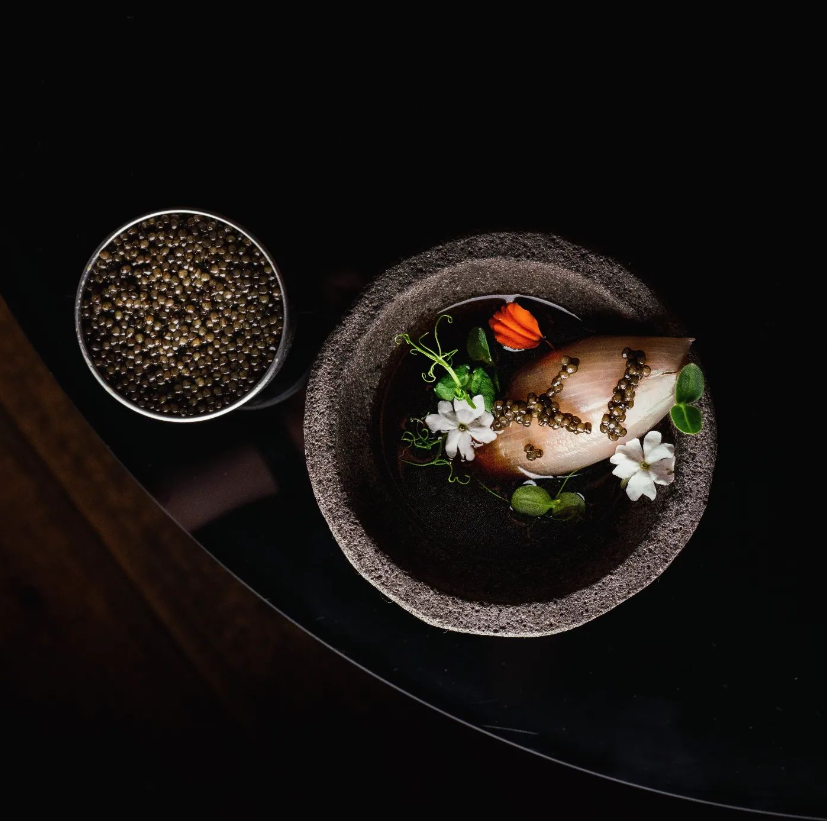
[477, 346]
[687, 418]
[481, 383]
[531, 500]
[690, 385]
[447, 387]
[688, 388]
[568, 506]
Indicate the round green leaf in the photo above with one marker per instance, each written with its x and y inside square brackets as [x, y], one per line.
[690, 385]
[568, 506]
[531, 500]
[687, 418]
[477, 345]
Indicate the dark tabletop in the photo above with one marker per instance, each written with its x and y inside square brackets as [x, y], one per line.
[708, 684]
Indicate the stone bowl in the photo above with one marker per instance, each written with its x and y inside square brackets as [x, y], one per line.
[354, 489]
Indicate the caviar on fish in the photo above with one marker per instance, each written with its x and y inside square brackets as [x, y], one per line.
[545, 408]
[623, 398]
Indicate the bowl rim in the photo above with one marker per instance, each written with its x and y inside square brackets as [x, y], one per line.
[430, 604]
[274, 367]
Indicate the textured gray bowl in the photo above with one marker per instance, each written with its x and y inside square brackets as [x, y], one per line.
[359, 500]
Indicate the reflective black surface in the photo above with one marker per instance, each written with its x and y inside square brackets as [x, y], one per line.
[708, 684]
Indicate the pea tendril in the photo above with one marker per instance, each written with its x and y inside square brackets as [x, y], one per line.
[421, 438]
[439, 459]
[437, 357]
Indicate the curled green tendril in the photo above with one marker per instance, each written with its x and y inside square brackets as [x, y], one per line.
[437, 356]
[460, 480]
[420, 438]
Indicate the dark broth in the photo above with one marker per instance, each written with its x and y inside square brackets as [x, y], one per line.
[468, 518]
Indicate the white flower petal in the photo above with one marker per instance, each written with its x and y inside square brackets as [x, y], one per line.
[446, 408]
[632, 450]
[479, 403]
[654, 449]
[486, 419]
[641, 484]
[437, 421]
[660, 452]
[451, 443]
[463, 407]
[663, 472]
[466, 448]
[483, 435]
[626, 468]
[462, 404]
[651, 440]
[482, 423]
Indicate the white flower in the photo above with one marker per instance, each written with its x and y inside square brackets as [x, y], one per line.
[644, 467]
[467, 427]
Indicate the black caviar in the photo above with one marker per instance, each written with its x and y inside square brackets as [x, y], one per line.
[532, 453]
[182, 314]
[544, 408]
[623, 398]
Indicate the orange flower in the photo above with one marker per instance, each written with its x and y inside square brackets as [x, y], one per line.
[515, 327]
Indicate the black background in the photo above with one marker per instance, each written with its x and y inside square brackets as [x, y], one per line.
[344, 165]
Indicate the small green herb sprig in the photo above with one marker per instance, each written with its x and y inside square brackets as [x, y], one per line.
[460, 382]
[533, 500]
[688, 389]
